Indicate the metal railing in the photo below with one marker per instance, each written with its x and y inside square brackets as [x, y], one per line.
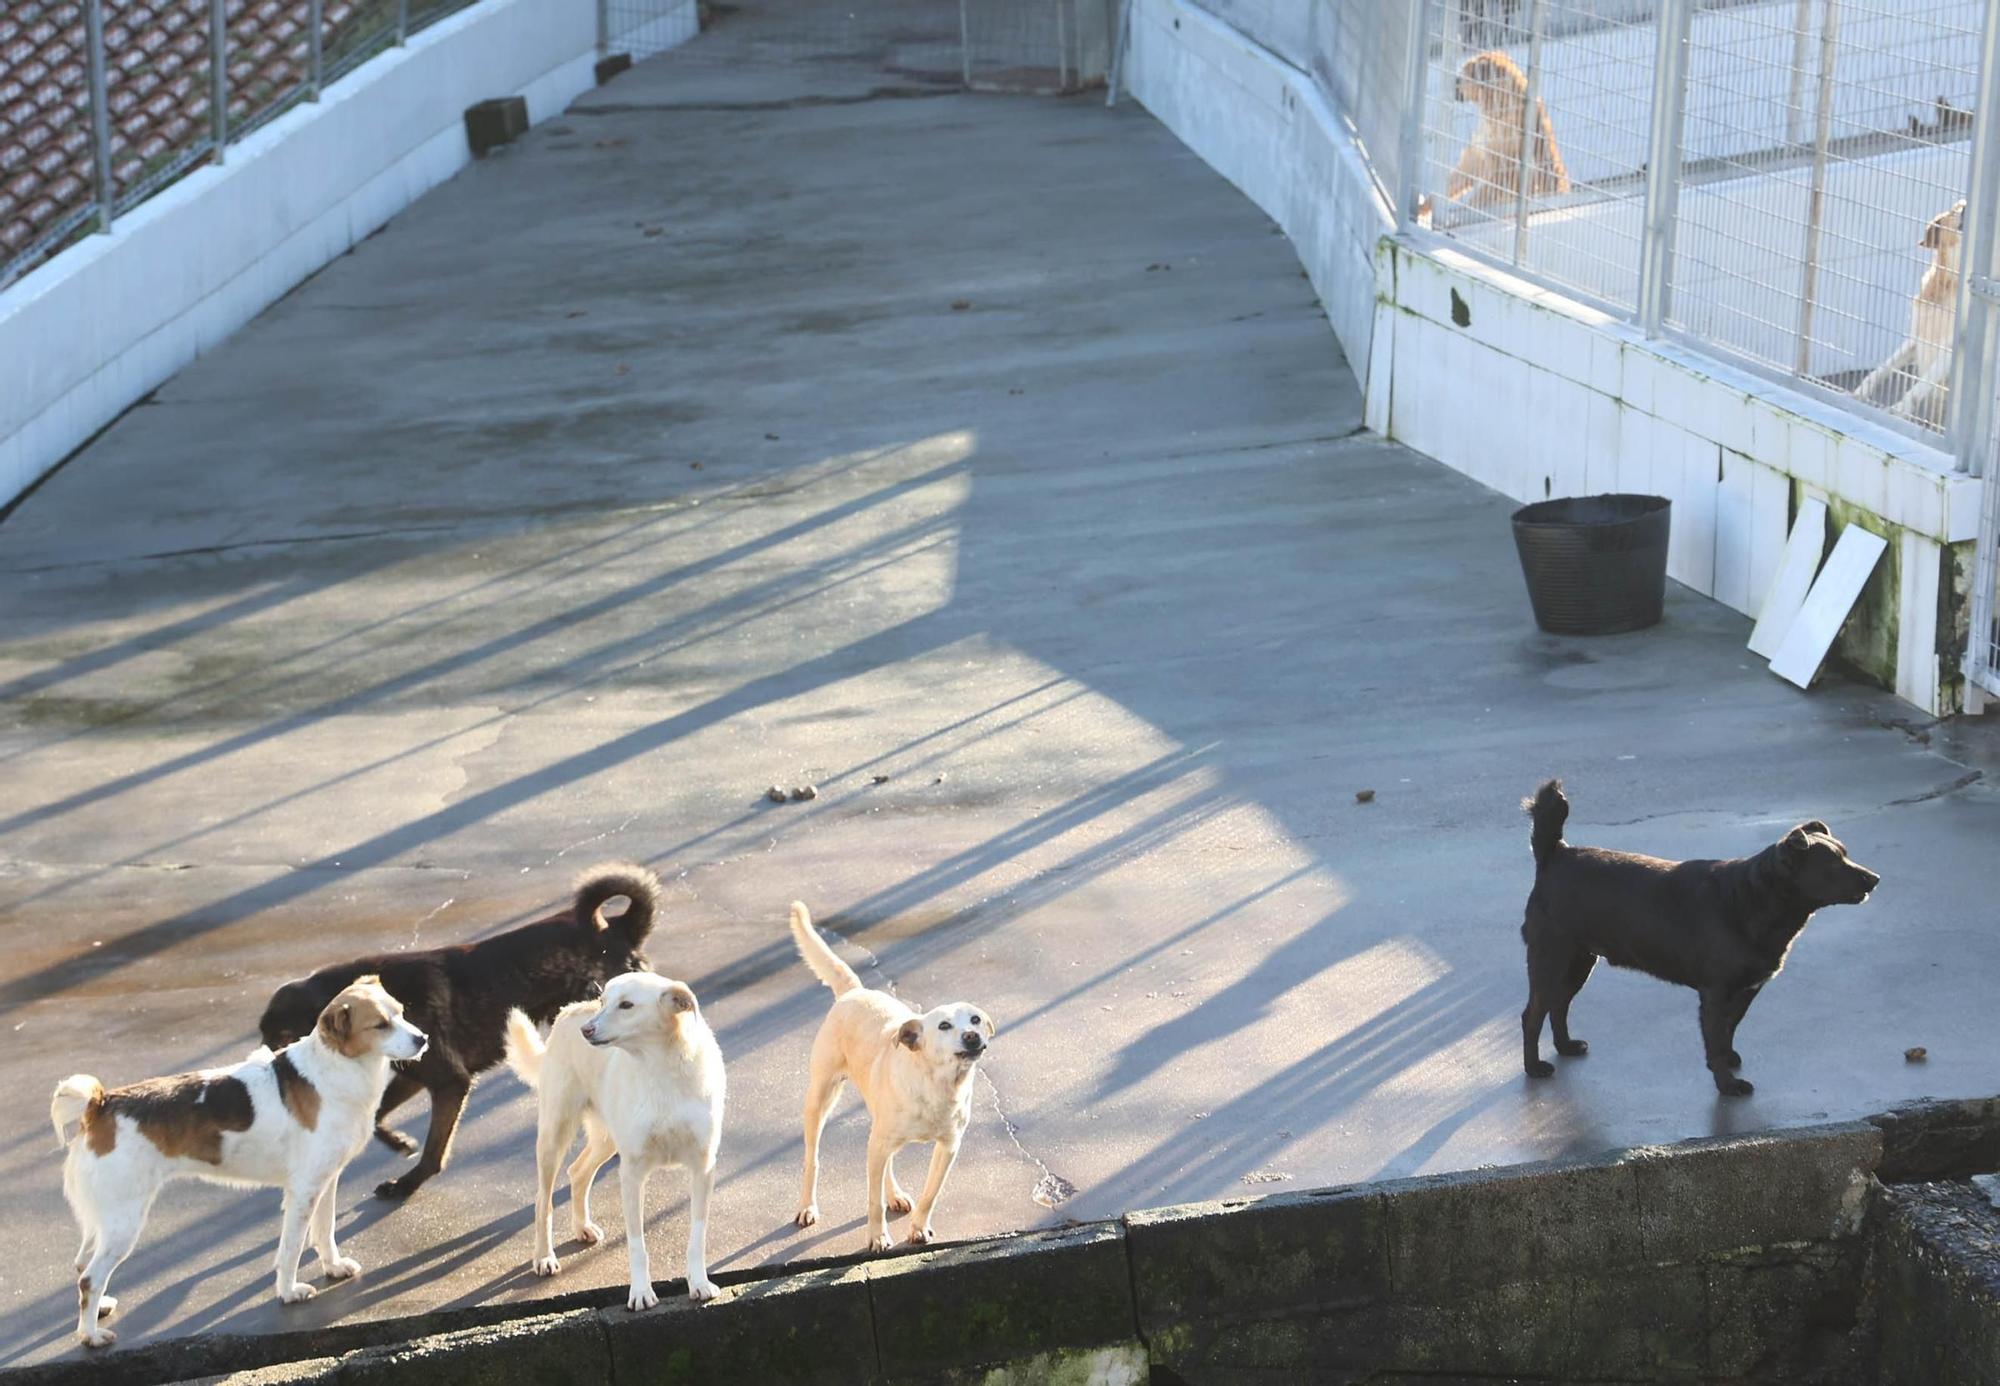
[105, 102]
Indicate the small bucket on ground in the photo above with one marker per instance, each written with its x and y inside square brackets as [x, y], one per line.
[1595, 565]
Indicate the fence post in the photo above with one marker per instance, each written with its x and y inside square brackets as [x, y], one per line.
[1976, 354]
[1829, 52]
[1663, 165]
[1531, 128]
[1416, 96]
[316, 21]
[218, 76]
[603, 28]
[100, 115]
[1121, 35]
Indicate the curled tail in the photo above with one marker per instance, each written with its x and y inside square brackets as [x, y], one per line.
[600, 885]
[825, 964]
[525, 1048]
[76, 1096]
[1549, 810]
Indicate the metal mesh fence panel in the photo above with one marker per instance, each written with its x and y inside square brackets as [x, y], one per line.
[1562, 89]
[46, 192]
[1826, 162]
[1358, 53]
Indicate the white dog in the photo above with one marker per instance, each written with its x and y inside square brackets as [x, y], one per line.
[641, 1072]
[915, 1075]
[1916, 379]
[293, 1119]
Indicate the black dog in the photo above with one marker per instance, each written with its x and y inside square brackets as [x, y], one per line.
[1721, 927]
[460, 997]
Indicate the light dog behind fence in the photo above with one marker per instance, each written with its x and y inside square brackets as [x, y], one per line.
[914, 1073]
[1916, 378]
[642, 1074]
[293, 1119]
[1489, 167]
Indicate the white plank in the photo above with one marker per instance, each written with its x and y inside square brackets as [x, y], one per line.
[1916, 622]
[1833, 595]
[1794, 580]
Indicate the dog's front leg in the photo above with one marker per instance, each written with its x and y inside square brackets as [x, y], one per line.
[446, 1104]
[300, 1200]
[943, 1155]
[1717, 1010]
[880, 1148]
[632, 1185]
[1738, 1008]
[336, 1266]
[701, 1183]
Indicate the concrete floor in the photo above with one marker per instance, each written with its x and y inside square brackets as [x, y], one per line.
[654, 462]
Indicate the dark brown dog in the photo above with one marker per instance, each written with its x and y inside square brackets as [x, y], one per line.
[1721, 927]
[460, 997]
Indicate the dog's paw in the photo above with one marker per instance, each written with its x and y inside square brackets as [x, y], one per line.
[1572, 1048]
[107, 1306]
[921, 1236]
[342, 1268]
[396, 1190]
[1735, 1059]
[1540, 1068]
[297, 1294]
[1734, 1087]
[396, 1141]
[98, 1337]
[807, 1216]
[642, 1297]
[899, 1204]
[881, 1241]
[702, 1289]
[546, 1265]
[589, 1233]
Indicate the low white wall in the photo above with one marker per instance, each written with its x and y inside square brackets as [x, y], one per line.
[1537, 395]
[86, 335]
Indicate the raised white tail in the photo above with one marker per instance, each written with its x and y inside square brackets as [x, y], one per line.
[524, 1048]
[75, 1095]
[825, 964]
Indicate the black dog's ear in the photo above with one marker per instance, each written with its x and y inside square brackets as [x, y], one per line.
[1813, 825]
[1796, 842]
[911, 1036]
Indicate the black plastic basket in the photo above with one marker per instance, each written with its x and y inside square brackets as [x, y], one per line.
[1595, 565]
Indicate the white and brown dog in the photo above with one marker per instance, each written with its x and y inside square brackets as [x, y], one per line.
[641, 1072]
[914, 1073]
[291, 1119]
[1489, 167]
[1916, 378]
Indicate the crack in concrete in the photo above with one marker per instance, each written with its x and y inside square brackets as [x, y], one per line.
[1965, 781]
[795, 103]
[1051, 1189]
[417, 928]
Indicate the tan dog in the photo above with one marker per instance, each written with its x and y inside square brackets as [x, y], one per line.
[914, 1073]
[1917, 377]
[293, 1119]
[1489, 168]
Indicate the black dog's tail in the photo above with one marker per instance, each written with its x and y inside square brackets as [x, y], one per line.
[1550, 811]
[602, 884]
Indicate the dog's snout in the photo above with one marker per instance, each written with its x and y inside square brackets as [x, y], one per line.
[974, 1042]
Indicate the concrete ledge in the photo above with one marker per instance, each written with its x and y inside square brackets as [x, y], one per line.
[1761, 1257]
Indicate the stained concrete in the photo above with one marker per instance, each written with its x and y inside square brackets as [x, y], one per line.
[411, 600]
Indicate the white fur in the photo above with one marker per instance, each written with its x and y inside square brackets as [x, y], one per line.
[1916, 379]
[913, 1094]
[642, 1074]
[111, 1194]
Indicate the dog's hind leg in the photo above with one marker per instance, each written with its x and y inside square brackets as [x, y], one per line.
[821, 1093]
[555, 1128]
[1545, 979]
[598, 1148]
[446, 1104]
[1580, 965]
[1718, 1009]
[402, 1087]
[701, 1184]
[117, 1234]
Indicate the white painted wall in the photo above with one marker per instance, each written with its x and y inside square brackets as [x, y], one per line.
[1536, 394]
[86, 335]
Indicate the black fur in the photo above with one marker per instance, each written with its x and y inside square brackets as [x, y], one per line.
[460, 996]
[1721, 927]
